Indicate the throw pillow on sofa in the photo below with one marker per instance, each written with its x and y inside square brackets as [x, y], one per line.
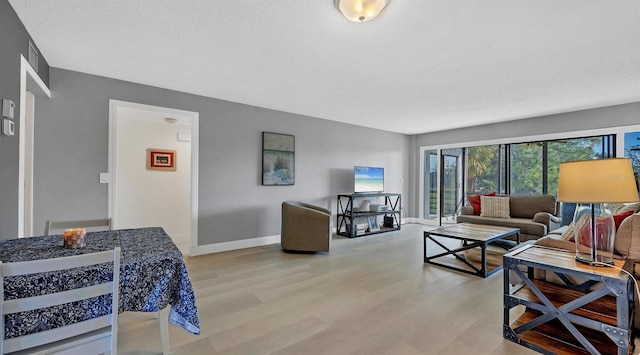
[618, 218]
[584, 227]
[496, 207]
[474, 201]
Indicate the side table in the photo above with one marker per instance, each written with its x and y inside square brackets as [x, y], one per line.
[590, 313]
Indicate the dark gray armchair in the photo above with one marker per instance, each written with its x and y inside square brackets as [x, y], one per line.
[305, 227]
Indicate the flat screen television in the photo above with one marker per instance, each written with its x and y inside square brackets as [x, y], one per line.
[368, 179]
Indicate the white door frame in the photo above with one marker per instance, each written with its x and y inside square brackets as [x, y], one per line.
[113, 183]
[29, 82]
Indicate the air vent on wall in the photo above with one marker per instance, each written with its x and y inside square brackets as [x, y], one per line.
[33, 56]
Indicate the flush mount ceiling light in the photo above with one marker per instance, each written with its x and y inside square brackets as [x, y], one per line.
[361, 10]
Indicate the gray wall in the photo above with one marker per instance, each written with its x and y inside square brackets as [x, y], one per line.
[604, 117]
[71, 146]
[13, 42]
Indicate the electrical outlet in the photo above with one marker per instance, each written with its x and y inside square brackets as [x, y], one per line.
[104, 178]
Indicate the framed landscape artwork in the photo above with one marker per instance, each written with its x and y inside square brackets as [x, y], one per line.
[278, 159]
[161, 159]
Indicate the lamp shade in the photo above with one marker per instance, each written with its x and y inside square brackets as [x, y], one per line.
[361, 10]
[597, 181]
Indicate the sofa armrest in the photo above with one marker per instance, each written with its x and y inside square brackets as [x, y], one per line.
[466, 210]
[552, 222]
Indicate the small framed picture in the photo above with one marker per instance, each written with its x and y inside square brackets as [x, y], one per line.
[373, 224]
[161, 159]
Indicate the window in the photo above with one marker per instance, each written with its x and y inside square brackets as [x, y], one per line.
[532, 167]
[485, 169]
[515, 168]
[632, 150]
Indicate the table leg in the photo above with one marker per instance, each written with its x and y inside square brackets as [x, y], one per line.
[163, 318]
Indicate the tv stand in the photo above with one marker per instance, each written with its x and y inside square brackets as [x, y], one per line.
[349, 216]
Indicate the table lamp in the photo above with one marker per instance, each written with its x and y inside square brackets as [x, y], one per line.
[592, 184]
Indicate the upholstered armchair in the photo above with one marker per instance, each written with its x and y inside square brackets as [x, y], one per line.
[305, 227]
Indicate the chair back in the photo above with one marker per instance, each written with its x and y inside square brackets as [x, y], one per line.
[57, 227]
[92, 336]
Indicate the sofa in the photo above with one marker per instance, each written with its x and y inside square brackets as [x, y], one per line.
[535, 215]
[305, 227]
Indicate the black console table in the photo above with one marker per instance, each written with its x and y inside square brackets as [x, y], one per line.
[349, 215]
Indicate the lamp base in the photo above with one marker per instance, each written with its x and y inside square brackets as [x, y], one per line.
[594, 234]
[594, 263]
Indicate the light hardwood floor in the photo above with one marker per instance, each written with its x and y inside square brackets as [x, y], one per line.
[368, 295]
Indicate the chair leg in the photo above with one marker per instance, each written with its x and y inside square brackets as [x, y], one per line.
[163, 318]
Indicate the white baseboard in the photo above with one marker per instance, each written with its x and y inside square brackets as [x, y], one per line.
[233, 245]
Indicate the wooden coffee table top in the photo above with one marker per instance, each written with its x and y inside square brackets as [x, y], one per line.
[477, 232]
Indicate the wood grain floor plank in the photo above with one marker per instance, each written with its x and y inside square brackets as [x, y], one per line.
[368, 295]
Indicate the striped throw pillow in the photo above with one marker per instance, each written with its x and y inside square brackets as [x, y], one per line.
[496, 207]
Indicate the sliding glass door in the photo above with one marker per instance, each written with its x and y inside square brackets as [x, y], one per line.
[451, 177]
[442, 185]
[430, 187]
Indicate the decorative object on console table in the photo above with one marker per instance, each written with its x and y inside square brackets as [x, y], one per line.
[161, 159]
[591, 184]
[373, 224]
[278, 159]
[388, 221]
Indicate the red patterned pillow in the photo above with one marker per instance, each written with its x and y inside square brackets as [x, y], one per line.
[618, 218]
[585, 235]
[584, 229]
[474, 201]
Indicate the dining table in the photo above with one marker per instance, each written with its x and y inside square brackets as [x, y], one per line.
[153, 278]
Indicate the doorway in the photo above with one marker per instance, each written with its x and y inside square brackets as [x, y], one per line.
[442, 188]
[31, 88]
[140, 194]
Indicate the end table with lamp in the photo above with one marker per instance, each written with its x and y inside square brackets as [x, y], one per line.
[592, 184]
[556, 305]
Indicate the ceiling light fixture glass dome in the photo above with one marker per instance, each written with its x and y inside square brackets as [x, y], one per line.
[361, 10]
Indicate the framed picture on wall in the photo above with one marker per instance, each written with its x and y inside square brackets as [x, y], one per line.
[161, 159]
[278, 159]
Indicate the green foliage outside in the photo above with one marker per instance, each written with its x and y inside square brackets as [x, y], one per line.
[484, 164]
[449, 200]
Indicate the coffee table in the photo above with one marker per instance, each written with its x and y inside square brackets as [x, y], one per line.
[472, 236]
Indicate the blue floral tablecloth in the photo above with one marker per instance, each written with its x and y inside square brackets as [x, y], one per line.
[153, 275]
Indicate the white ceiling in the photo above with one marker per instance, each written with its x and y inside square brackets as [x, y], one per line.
[422, 66]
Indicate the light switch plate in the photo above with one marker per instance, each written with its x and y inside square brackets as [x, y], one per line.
[104, 178]
[8, 108]
[184, 137]
[7, 127]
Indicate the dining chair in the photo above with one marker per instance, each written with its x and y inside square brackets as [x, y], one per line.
[95, 224]
[92, 336]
